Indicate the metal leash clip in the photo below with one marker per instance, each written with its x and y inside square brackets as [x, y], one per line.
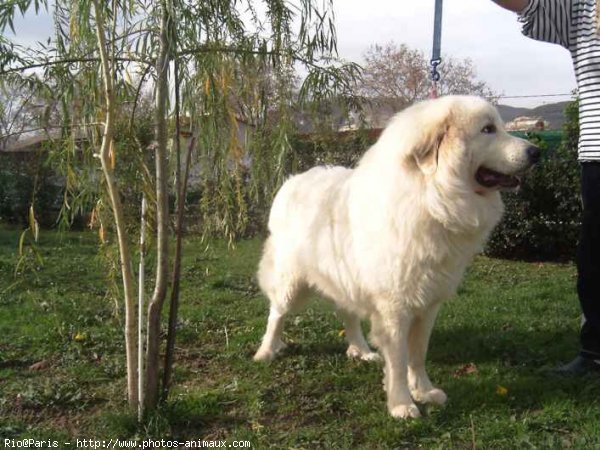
[434, 74]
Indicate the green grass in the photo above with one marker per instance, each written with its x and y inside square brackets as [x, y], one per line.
[510, 321]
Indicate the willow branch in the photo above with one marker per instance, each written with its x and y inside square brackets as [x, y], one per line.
[70, 61]
[185, 52]
[245, 51]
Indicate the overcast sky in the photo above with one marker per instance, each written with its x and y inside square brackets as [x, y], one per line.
[477, 29]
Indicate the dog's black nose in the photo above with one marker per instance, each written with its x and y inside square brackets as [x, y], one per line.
[534, 154]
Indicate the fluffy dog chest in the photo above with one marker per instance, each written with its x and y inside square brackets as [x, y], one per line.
[431, 281]
[425, 271]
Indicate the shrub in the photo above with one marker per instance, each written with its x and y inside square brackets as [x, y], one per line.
[331, 148]
[26, 179]
[542, 219]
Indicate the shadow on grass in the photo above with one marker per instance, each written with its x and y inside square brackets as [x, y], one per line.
[211, 414]
[319, 349]
[513, 347]
[519, 360]
[464, 344]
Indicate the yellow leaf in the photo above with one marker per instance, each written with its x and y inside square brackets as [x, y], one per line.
[112, 155]
[342, 333]
[22, 242]
[92, 221]
[79, 337]
[127, 78]
[73, 27]
[101, 234]
[31, 217]
[224, 81]
[33, 224]
[501, 391]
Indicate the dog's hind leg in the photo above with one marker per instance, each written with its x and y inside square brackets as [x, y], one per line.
[421, 388]
[289, 296]
[285, 294]
[271, 341]
[357, 344]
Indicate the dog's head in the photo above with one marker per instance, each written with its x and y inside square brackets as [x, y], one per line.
[457, 151]
[461, 139]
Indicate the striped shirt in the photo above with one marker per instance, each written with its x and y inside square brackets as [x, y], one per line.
[572, 24]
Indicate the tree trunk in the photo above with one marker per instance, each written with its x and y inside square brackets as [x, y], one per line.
[113, 191]
[162, 214]
[176, 278]
[141, 302]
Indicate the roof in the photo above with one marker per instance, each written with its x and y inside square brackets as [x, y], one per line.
[30, 143]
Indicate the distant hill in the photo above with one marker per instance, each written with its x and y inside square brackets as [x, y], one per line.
[377, 113]
[552, 112]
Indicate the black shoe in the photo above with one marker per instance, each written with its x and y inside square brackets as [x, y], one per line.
[579, 366]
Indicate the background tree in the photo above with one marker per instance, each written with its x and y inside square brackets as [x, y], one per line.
[397, 76]
[22, 112]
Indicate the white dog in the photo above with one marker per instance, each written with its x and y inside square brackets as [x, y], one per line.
[390, 240]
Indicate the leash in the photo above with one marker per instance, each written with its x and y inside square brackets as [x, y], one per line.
[436, 58]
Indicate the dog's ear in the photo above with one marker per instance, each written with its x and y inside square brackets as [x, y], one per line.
[426, 153]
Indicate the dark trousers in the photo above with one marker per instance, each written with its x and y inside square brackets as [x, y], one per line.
[588, 260]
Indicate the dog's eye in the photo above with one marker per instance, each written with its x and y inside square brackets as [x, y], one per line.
[489, 129]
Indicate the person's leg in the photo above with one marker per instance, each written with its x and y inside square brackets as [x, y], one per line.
[588, 273]
[588, 260]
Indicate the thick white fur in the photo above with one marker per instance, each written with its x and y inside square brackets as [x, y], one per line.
[389, 240]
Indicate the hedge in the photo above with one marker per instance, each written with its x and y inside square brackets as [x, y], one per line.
[26, 179]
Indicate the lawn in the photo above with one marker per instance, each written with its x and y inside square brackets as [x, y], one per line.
[490, 351]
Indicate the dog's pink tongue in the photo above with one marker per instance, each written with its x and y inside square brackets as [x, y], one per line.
[487, 177]
[491, 178]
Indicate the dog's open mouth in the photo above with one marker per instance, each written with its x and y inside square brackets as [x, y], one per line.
[490, 178]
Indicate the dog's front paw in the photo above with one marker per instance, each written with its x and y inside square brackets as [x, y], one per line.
[405, 411]
[354, 352]
[435, 396]
[371, 357]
